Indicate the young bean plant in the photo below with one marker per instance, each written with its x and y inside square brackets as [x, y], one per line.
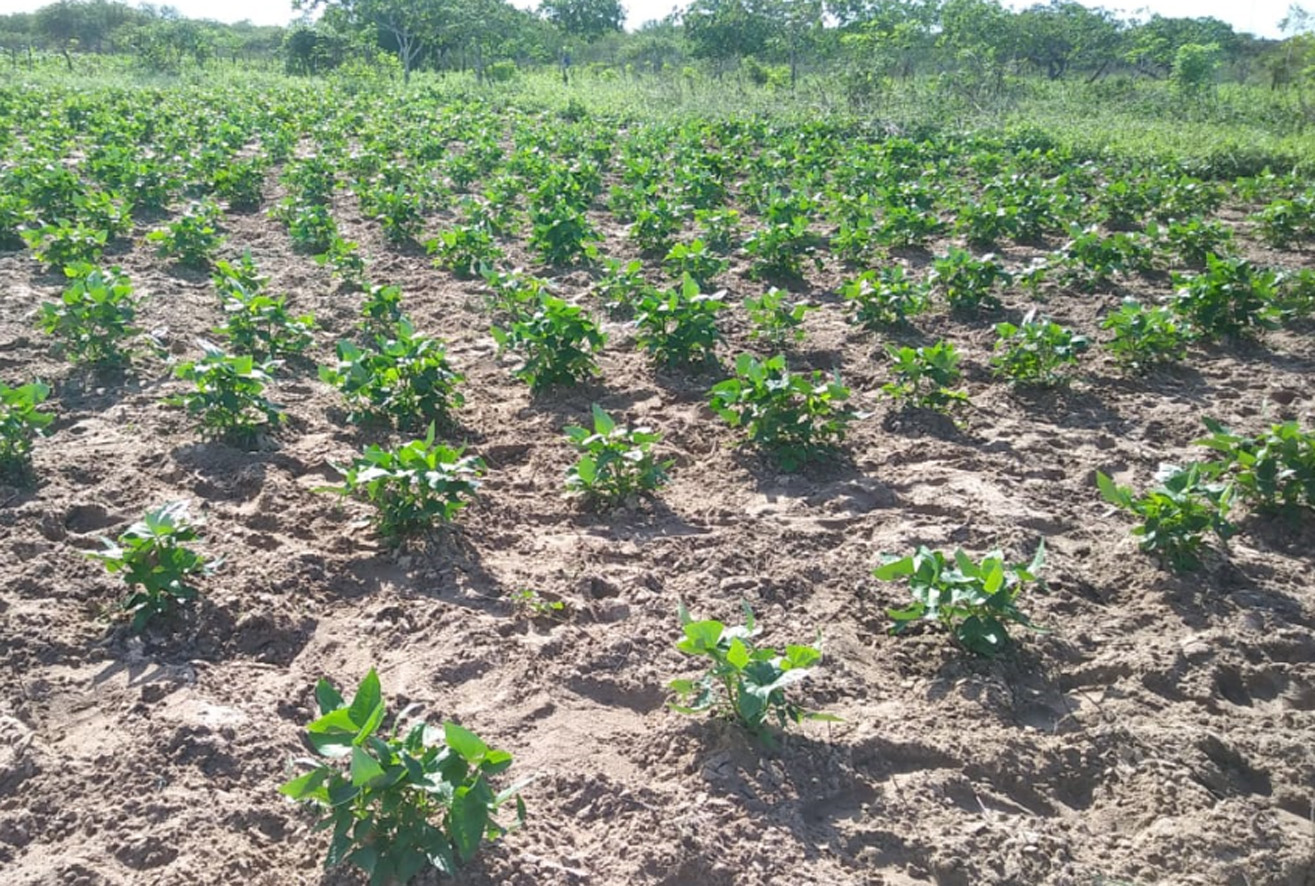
[924, 376]
[94, 316]
[402, 800]
[228, 396]
[1177, 514]
[557, 343]
[413, 486]
[974, 601]
[1036, 352]
[615, 461]
[21, 421]
[796, 418]
[744, 682]
[776, 320]
[154, 560]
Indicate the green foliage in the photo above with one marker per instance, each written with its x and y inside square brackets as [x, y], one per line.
[974, 601]
[311, 228]
[413, 486]
[1294, 295]
[1274, 470]
[155, 562]
[240, 183]
[883, 299]
[561, 234]
[192, 238]
[260, 325]
[1231, 297]
[656, 224]
[1145, 337]
[557, 340]
[719, 228]
[1176, 515]
[1193, 241]
[94, 316]
[21, 421]
[344, 261]
[465, 250]
[1035, 352]
[679, 326]
[797, 418]
[1286, 221]
[695, 260]
[66, 243]
[925, 375]
[744, 682]
[615, 461]
[1091, 261]
[228, 396]
[969, 284]
[398, 210]
[404, 379]
[382, 310]
[409, 799]
[780, 250]
[622, 286]
[774, 319]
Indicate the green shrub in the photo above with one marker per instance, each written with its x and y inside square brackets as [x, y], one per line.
[1145, 337]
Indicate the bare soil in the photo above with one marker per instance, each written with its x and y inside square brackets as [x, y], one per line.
[1162, 731]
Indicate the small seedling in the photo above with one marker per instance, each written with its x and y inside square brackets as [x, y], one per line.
[974, 601]
[93, 317]
[744, 682]
[228, 396]
[1035, 352]
[1146, 337]
[615, 461]
[776, 320]
[21, 421]
[924, 376]
[154, 560]
[1176, 515]
[1274, 470]
[557, 340]
[412, 798]
[413, 486]
[797, 418]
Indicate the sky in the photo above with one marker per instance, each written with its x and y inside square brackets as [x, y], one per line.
[1259, 17]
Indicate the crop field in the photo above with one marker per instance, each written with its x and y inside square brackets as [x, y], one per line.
[738, 501]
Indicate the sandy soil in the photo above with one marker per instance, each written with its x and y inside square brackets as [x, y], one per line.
[1161, 732]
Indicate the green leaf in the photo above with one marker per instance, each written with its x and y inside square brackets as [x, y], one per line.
[327, 697]
[464, 742]
[467, 820]
[308, 786]
[737, 655]
[893, 569]
[365, 768]
[701, 636]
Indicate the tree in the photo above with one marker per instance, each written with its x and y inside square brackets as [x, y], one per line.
[726, 29]
[587, 19]
[1065, 35]
[409, 25]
